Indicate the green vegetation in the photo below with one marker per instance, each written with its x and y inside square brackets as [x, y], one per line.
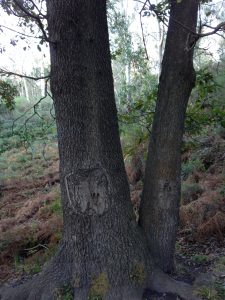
[200, 259]
[99, 287]
[138, 274]
[217, 292]
[219, 265]
[222, 190]
[64, 293]
[53, 207]
[190, 192]
[207, 293]
[192, 166]
[8, 92]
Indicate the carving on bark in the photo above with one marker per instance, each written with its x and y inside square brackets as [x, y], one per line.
[88, 191]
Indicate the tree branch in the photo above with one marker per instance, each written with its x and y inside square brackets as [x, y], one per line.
[8, 73]
[19, 4]
[142, 2]
[34, 107]
[37, 8]
[20, 33]
[219, 27]
[193, 37]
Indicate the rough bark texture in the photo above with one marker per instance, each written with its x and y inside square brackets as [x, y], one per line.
[161, 195]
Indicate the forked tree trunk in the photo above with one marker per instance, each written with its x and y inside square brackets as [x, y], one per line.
[161, 195]
[103, 253]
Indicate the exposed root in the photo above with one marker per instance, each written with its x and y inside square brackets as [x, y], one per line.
[55, 285]
[58, 290]
[163, 283]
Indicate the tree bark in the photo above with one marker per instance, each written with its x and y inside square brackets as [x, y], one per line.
[161, 194]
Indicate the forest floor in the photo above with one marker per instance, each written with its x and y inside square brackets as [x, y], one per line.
[31, 215]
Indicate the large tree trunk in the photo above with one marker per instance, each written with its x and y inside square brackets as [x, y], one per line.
[100, 237]
[161, 195]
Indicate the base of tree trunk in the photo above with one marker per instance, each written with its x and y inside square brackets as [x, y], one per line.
[62, 279]
[79, 276]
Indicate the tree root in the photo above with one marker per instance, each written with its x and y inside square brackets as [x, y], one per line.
[47, 286]
[163, 283]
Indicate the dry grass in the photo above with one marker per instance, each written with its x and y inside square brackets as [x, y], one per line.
[214, 226]
[30, 212]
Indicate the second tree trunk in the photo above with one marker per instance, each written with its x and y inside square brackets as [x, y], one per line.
[161, 194]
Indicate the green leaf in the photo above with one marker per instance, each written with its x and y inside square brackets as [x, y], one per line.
[7, 94]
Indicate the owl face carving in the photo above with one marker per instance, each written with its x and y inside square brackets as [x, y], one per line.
[88, 191]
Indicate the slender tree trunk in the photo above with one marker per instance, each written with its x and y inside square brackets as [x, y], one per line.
[26, 90]
[161, 195]
[160, 45]
[42, 83]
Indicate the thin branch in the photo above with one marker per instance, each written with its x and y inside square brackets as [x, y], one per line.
[33, 16]
[158, 14]
[37, 8]
[8, 73]
[20, 33]
[219, 27]
[193, 37]
[19, 4]
[34, 107]
[142, 2]
[26, 111]
[15, 14]
[221, 35]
